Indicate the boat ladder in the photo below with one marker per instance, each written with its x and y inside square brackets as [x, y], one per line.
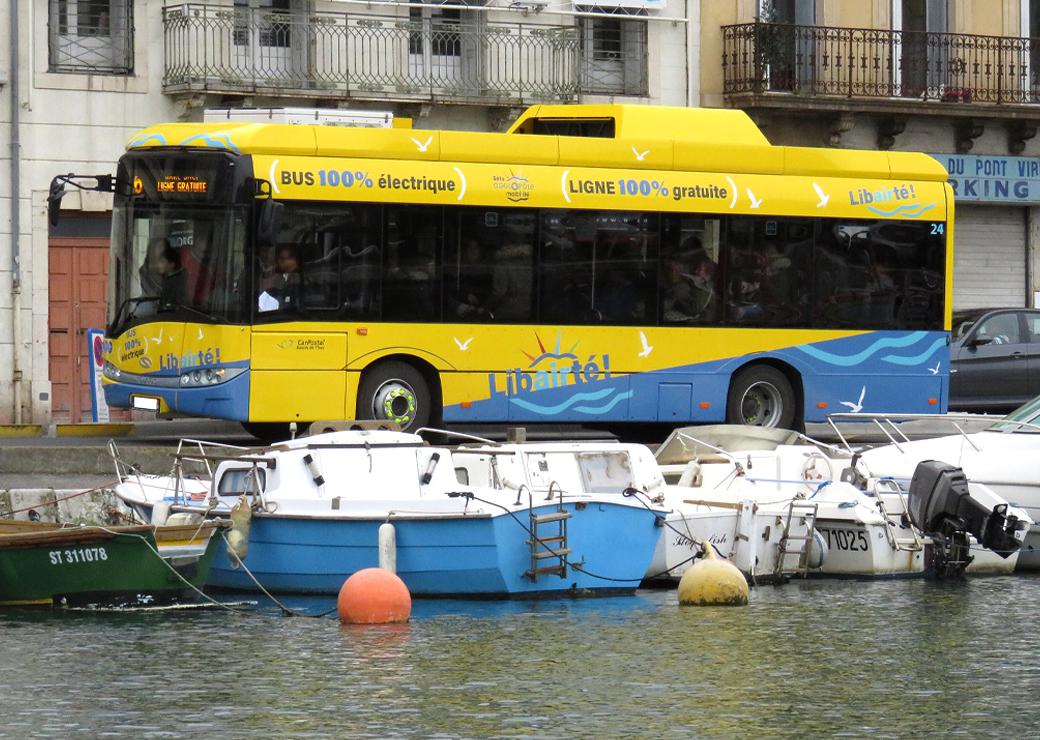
[914, 542]
[548, 541]
[792, 544]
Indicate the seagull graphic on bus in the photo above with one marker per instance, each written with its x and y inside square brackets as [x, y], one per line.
[647, 348]
[422, 145]
[824, 198]
[640, 156]
[855, 408]
[463, 346]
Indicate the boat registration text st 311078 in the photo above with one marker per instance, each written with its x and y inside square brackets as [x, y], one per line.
[79, 555]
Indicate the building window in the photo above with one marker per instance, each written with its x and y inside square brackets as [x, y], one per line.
[264, 23]
[613, 55]
[91, 36]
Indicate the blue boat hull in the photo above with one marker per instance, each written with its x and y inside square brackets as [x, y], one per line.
[611, 545]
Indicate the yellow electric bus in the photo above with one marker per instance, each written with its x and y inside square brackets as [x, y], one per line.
[595, 263]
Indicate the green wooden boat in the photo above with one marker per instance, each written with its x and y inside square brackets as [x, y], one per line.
[44, 564]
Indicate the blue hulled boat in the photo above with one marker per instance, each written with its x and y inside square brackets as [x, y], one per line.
[316, 506]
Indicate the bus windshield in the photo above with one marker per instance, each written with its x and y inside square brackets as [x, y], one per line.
[178, 247]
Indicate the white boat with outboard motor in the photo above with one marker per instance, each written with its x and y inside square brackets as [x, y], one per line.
[865, 534]
[316, 505]
[1005, 457]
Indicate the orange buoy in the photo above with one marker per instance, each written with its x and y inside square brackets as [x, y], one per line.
[374, 596]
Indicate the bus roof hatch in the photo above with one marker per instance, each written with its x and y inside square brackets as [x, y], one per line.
[310, 116]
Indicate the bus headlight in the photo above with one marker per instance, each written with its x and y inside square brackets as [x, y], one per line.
[209, 376]
[111, 371]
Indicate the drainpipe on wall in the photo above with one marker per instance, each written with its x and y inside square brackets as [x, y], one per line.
[690, 66]
[16, 266]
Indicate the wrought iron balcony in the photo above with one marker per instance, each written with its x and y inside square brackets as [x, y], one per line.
[338, 55]
[866, 63]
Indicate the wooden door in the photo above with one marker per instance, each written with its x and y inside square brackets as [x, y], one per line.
[78, 284]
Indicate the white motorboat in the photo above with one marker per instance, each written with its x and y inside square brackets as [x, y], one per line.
[865, 534]
[1005, 457]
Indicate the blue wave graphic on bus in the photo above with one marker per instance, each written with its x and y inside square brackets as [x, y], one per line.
[216, 140]
[609, 406]
[575, 399]
[858, 358]
[142, 140]
[915, 359]
[912, 210]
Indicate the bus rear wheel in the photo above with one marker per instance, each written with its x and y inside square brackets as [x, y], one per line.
[761, 396]
[395, 391]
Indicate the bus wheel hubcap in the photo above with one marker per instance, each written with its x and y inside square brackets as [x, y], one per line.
[394, 400]
[761, 405]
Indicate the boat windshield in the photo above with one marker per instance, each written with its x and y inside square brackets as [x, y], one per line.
[1024, 419]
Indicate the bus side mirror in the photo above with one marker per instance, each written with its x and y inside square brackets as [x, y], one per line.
[57, 192]
[269, 222]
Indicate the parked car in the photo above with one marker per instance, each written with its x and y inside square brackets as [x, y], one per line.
[994, 359]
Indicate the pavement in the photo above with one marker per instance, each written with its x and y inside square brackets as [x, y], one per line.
[65, 472]
[80, 457]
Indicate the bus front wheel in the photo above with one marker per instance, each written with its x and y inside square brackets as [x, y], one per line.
[761, 396]
[394, 391]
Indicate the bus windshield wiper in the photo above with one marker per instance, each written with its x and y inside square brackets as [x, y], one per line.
[190, 309]
[115, 328]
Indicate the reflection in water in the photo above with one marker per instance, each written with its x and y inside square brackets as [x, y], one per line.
[893, 658]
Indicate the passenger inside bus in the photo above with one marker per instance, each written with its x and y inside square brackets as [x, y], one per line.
[690, 293]
[174, 280]
[281, 290]
[150, 277]
[745, 297]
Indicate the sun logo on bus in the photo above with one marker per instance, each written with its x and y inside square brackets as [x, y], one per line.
[553, 368]
[556, 354]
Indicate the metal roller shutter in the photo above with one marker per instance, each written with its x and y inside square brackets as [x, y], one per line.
[989, 258]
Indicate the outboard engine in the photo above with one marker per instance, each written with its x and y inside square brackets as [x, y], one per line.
[941, 506]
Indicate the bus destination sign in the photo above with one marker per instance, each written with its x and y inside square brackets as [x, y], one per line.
[182, 185]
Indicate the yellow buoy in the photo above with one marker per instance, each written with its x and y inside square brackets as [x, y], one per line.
[713, 581]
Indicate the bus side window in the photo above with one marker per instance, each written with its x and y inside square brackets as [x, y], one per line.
[786, 248]
[413, 243]
[501, 287]
[626, 271]
[690, 270]
[510, 250]
[322, 258]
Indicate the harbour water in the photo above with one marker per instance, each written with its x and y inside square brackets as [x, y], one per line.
[891, 659]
